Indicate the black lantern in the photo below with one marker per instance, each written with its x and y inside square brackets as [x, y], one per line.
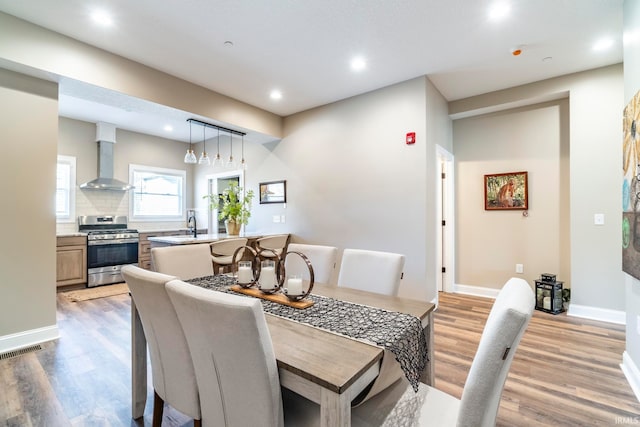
[549, 294]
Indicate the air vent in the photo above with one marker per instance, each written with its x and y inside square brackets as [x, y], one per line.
[20, 352]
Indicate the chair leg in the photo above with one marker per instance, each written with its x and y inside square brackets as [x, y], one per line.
[158, 409]
[197, 423]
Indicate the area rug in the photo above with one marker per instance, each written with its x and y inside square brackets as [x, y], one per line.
[97, 292]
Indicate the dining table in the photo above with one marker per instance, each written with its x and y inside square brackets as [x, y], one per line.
[327, 367]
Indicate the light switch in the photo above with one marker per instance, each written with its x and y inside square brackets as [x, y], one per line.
[598, 219]
[276, 218]
[283, 219]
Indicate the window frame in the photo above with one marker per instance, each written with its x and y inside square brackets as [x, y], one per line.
[71, 189]
[182, 174]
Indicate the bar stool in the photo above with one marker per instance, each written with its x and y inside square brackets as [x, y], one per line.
[222, 252]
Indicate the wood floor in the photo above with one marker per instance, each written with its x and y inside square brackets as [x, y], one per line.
[565, 373]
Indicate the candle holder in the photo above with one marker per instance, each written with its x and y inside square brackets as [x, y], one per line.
[269, 276]
[285, 290]
[235, 267]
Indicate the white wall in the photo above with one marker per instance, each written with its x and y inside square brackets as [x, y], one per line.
[632, 285]
[595, 106]
[28, 129]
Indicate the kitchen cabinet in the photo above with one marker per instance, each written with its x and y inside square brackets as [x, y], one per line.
[71, 260]
[144, 245]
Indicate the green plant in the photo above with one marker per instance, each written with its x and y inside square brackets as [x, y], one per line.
[236, 204]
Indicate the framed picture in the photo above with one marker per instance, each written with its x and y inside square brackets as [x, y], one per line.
[273, 192]
[506, 191]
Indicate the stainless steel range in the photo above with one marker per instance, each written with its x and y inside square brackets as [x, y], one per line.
[110, 245]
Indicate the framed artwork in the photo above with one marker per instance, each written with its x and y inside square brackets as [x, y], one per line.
[631, 188]
[506, 191]
[273, 192]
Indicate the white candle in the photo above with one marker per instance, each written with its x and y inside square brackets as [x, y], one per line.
[294, 286]
[267, 278]
[245, 275]
[546, 303]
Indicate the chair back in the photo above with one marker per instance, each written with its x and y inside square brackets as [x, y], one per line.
[221, 252]
[505, 326]
[173, 374]
[276, 243]
[183, 261]
[322, 258]
[372, 271]
[232, 354]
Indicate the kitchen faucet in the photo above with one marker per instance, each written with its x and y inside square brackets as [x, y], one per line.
[193, 229]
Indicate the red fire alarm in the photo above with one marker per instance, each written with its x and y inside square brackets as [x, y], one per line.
[411, 138]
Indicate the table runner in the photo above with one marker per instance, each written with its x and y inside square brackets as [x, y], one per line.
[399, 333]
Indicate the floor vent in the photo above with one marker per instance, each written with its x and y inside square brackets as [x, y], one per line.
[20, 352]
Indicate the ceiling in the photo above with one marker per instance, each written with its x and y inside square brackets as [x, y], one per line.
[304, 48]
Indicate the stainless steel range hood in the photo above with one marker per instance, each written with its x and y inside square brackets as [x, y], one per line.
[106, 138]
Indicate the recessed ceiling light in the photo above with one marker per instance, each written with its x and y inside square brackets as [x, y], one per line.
[228, 43]
[603, 44]
[101, 17]
[168, 128]
[276, 94]
[499, 10]
[358, 64]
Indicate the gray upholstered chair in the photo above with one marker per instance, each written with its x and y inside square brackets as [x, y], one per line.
[183, 261]
[372, 271]
[277, 244]
[221, 252]
[322, 258]
[399, 405]
[174, 380]
[232, 354]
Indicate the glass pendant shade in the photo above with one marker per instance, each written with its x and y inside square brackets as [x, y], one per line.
[204, 157]
[190, 157]
[231, 163]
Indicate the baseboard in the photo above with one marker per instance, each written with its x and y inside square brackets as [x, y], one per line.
[475, 291]
[632, 373]
[28, 338]
[595, 313]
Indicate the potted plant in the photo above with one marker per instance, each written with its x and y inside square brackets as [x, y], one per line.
[234, 207]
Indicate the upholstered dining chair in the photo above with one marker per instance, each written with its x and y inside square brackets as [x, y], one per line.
[478, 407]
[183, 261]
[174, 380]
[372, 271]
[322, 258]
[232, 354]
[221, 252]
[277, 244]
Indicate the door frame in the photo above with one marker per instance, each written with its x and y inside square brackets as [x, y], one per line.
[445, 210]
[212, 186]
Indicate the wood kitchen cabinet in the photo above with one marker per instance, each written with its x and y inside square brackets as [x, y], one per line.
[71, 260]
[144, 245]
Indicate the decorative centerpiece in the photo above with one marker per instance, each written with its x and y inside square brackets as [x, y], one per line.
[234, 207]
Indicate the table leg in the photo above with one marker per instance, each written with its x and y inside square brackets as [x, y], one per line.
[335, 409]
[138, 365]
[429, 375]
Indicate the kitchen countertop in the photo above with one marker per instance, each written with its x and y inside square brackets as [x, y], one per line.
[202, 238]
[71, 235]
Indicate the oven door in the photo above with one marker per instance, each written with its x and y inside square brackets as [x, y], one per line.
[105, 253]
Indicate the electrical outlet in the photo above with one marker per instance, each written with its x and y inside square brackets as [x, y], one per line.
[598, 219]
[519, 268]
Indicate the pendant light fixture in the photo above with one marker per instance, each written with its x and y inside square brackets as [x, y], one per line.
[243, 163]
[204, 157]
[218, 163]
[231, 164]
[190, 157]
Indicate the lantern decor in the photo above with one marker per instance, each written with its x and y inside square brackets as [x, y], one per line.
[549, 294]
[266, 278]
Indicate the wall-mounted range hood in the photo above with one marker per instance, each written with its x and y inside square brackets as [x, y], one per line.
[106, 138]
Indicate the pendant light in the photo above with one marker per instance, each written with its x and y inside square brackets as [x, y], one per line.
[218, 163]
[190, 157]
[231, 164]
[204, 157]
[243, 163]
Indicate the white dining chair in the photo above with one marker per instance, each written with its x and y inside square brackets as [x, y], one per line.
[221, 252]
[478, 407]
[322, 258]
[183, 261]
[174, 380]
[371, 271]
[232, 354]
[277, 244]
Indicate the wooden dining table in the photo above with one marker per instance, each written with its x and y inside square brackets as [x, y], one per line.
[326, 368]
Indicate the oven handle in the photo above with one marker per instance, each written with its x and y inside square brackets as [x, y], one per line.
[111, 242]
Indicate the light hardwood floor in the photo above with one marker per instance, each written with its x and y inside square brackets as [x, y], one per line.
[565, 373]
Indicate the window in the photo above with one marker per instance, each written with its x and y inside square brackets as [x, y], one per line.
[66, 189]
[158, 194]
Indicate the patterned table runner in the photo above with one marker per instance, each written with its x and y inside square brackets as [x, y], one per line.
[399, 333]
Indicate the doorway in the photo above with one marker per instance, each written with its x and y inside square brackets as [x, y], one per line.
[217, 183]
[445, 220]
